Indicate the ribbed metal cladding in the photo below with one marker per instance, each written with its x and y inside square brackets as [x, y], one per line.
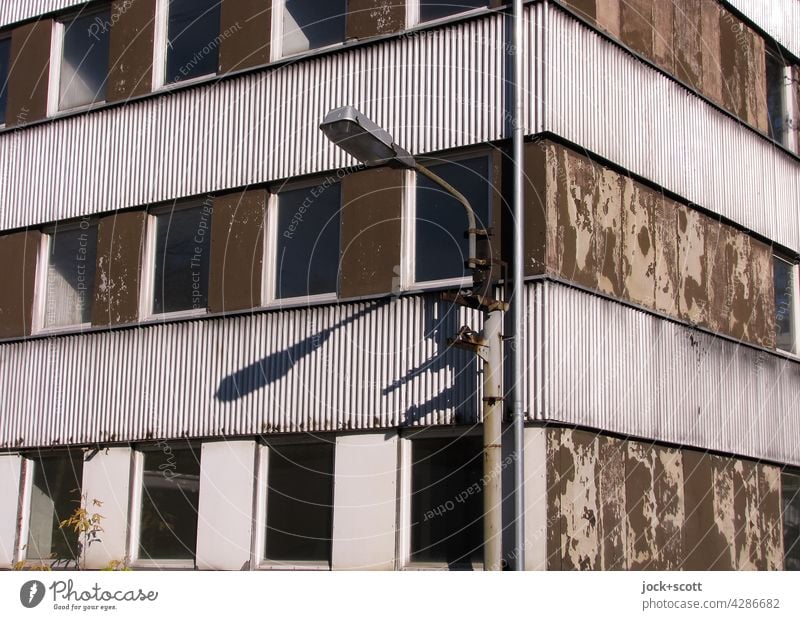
[433, 90]
[608, 366]
[356, 366]
[778, 18]
[605, 100]
[12, 11]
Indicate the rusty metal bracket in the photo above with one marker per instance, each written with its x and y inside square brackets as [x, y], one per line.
[471, 300]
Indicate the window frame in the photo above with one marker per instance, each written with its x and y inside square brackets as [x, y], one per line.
[276, 36]
[785, 473]
[259, 538]
[57, 58]
[135, 510]
[269, 276]
[20, 553]
[406, 439]
[147, 288]
[414, 14]
[795, 311]
[42, 266]
[409, 241]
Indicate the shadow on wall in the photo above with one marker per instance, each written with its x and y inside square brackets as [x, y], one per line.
[441, 321]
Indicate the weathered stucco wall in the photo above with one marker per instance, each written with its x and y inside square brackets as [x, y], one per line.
[616, 504]
[603, 230]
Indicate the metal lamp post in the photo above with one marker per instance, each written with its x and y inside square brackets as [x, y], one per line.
[370, 144]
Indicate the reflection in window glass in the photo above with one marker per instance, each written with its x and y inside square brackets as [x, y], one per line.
[441, 222]
[182, 249]
[441, 470]
[308, 241]
[299, 503]
[775, 95]
[439, 8]
[84, 61]
[5, 52]
[170, 494]
[784, 305]
[71, 260]
[55, 494]
[311, 24]
[193, 39]
[791, 520]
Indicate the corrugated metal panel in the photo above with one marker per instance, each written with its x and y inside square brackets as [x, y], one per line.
[611, 367]
[779, 18]
[357, 366]
[432, 89]
[602, 98]
[12, 11]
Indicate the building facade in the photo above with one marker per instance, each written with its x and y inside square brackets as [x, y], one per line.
[225, 340]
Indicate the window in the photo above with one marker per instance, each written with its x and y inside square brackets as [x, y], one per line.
[67, 287]
[299, 504]
[785, 275]
[776, 93]
[443, 529]
[55, 493]
[83, 70]
[170, 491]
[791, 520]
[311, 24]
[181, 244]
[441, 221]
[436, 9]
[5, 57]
[193, 38]
[307, 241]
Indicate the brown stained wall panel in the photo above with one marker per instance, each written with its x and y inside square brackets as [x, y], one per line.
[245, 27]
[663, 35]
[585, 8]
[608, 232]
[770, 519]
[720, 293]
[371, 232]
[738, 259]
[666, 246]
[575, 198]
[29, 72]
[611, 454]
[692, 275]
[762, 324]
[638, 252]
[120, 241]
[748, 552]
[735, 56]
[636, 18]
[237, 251]
[688, 43]
[130, 63]
[608, 16]
[537, 222]
[555, 522]
[669, 506]
[640, 507]
[757, 114]
[18, 256]
[710, 51]
[370, 18]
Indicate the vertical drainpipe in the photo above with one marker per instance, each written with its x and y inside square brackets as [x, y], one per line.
[517, 296]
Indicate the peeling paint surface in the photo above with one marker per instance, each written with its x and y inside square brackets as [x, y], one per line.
[638, 253]
[692, 297]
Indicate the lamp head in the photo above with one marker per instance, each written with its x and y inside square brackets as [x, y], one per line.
[350, 130]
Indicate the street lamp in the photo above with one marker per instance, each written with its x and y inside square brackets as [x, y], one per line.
[372, 145]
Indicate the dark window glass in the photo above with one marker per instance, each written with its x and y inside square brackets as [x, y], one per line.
[55, 494]
[308, 241]
[775, 95]
[170, 492]
[442, 528]
[439, 8]
[310, 24]
[441, 222]
[784, 305]
[300, 503]
[193, 39]
[181, 259]
[5, 51]
[84, 61]
[791, 521]
[71, 263]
